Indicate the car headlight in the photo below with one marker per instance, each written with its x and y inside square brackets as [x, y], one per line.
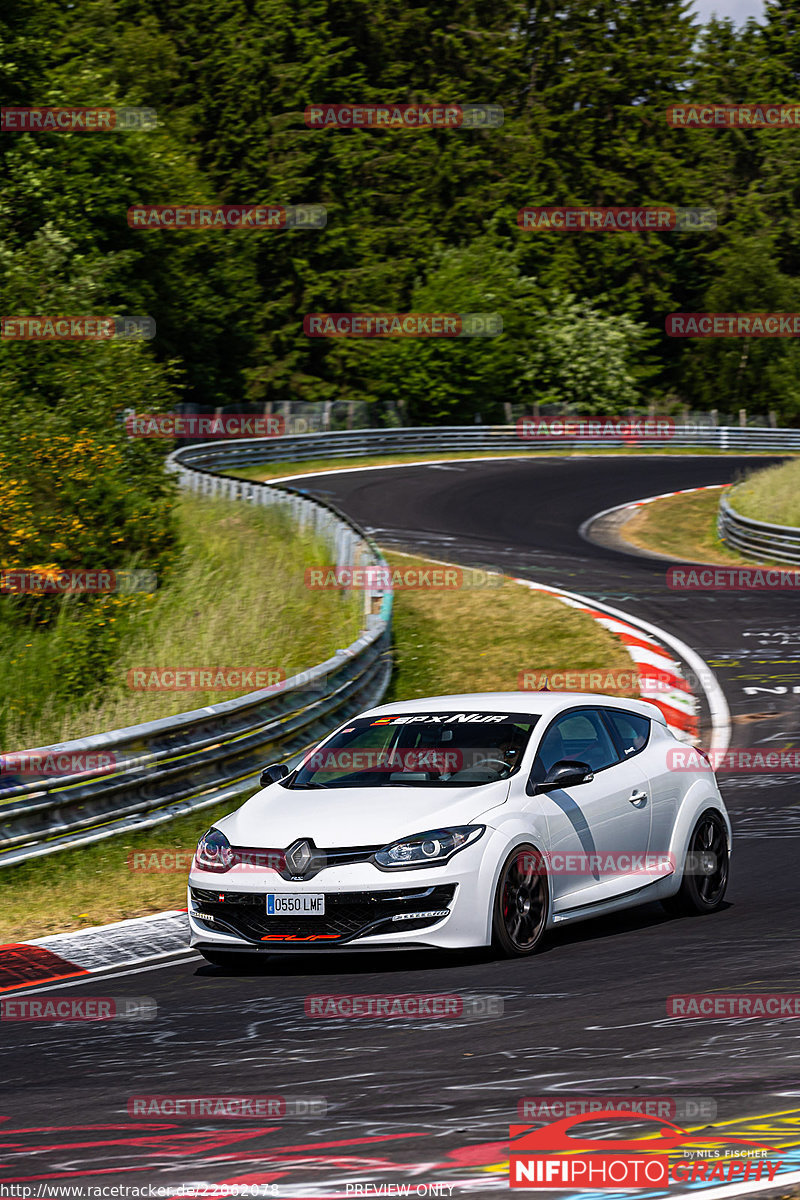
[214, 852]
[435, 847]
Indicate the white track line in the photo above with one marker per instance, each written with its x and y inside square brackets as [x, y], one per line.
[715, 697]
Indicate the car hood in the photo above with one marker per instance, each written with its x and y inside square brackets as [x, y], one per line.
[337, 817]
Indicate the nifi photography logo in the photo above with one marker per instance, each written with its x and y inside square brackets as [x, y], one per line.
[550, 1158]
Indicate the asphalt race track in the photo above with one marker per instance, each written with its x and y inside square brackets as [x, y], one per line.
[430, 1100]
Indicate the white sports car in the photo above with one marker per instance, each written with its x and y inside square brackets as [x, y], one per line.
[464, 821]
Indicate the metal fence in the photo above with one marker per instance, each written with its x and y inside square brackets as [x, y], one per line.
[757, 539]
[444, 439]
[163, 769]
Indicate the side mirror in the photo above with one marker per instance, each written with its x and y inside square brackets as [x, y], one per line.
[273, 773]
[566, 773]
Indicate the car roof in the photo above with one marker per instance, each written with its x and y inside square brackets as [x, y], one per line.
[545, 704]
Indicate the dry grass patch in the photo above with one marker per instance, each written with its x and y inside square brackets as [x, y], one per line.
[481, 639]
[684, 528]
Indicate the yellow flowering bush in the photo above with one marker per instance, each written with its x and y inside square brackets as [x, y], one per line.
[76, 503]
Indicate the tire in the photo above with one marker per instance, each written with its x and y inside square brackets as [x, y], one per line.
[521, 903]
[702, 892]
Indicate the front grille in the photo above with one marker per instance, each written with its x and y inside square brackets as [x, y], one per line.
[347, 914]
[321, 860]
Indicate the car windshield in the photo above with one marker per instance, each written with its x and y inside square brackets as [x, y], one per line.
[440, 749]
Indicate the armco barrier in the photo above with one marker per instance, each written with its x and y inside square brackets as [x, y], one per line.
[215, 754]
[757, 539]
[178, 764]
[482, 439]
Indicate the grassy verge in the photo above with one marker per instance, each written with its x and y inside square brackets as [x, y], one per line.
[236, 599]
[479, 640]
[683, 527]
[771, 495]
[96, 884]
[275, 470]
[471, 640]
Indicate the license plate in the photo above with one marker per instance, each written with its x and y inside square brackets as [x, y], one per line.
[300, 904]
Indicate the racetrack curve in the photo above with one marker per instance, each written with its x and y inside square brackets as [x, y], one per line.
[427, 1100]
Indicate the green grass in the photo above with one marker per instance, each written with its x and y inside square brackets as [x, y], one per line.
[771, 495]
[75, 889]
[236, 598]
[445, 642]
[683, 527]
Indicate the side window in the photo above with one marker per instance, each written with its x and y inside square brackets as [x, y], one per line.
[579, 735]
[631, 729]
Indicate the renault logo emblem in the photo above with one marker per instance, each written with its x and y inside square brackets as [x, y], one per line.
[298, 857]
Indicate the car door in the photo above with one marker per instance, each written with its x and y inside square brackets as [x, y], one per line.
[594, 826]
[638, 735]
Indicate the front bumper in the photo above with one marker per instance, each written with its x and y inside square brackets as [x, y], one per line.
[348, 915]
[446, 907]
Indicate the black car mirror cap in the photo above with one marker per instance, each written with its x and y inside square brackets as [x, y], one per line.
[567, 772]
[273, 774]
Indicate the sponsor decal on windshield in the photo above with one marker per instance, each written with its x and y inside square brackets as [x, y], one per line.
[447, 719]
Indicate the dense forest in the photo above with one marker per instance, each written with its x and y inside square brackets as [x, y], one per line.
[416, 220]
